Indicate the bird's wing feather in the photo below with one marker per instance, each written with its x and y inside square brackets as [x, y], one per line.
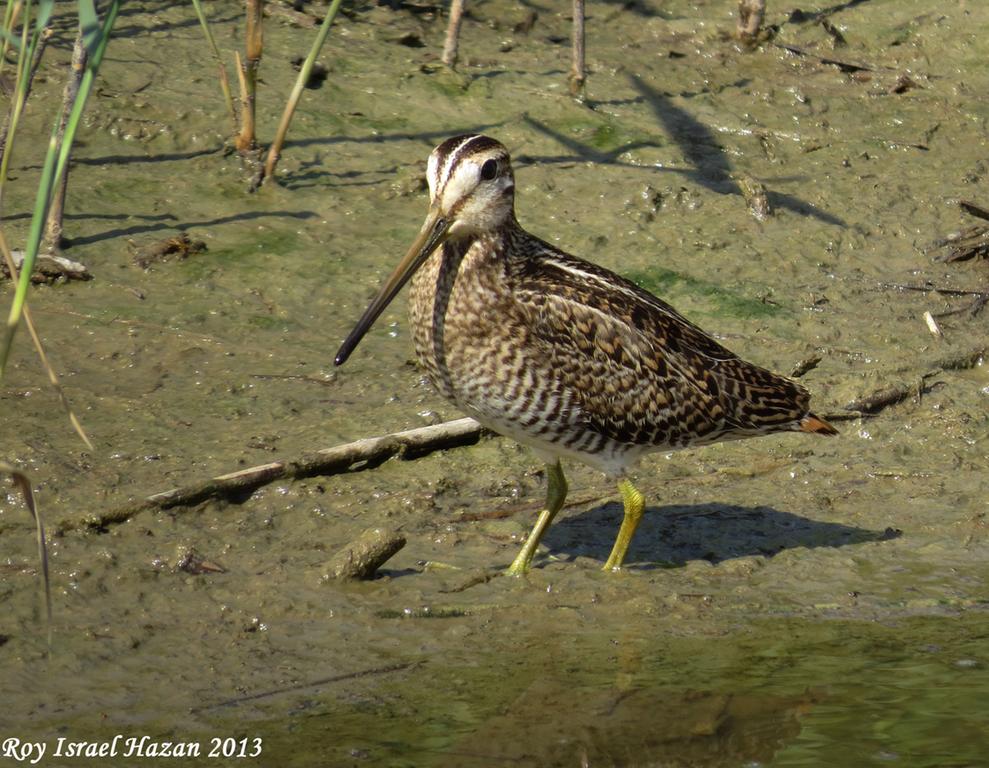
[642, 372]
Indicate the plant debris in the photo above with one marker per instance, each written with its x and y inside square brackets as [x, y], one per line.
[181, 247]
[49, 268]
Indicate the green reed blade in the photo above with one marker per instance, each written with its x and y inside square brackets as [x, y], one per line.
[55, 161]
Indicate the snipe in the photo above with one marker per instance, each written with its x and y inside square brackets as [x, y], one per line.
[559, 354]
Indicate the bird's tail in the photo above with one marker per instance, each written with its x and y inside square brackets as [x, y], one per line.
[812, 423]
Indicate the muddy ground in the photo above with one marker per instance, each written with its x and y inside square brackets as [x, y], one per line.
[788, 600]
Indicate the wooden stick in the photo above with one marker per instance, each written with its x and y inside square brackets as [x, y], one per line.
[871, 404]
[881, 399]
[362, 557]
[933, 289]
[350, 457]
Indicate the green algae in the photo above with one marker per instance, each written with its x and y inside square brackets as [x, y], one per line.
[669, 283]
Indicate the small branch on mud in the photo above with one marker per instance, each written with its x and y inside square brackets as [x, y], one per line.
[969, 243]
[871, 404]
[930, 288]
[831, 416]
[883, 398]
[350, 457]
[980, 298]
[971, 310]
[365, 555]
[48, 268]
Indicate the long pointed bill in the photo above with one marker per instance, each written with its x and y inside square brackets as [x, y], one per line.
[432, 234]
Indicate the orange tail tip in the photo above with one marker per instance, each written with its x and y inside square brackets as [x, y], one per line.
[811, 423]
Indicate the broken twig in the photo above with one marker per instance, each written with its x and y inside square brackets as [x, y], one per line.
[366, 554]
[929, 288]
[871, 404]
[350, 457]
[880, 399]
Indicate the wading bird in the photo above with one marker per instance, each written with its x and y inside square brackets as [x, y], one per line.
[560, 354]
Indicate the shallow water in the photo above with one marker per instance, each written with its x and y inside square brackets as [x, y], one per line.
[789, 601]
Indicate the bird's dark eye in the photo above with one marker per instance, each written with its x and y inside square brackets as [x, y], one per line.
[489, 170]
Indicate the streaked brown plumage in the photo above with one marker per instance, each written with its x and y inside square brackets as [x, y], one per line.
[558, 353]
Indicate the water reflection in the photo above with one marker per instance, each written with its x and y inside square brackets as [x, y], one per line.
[552, 724]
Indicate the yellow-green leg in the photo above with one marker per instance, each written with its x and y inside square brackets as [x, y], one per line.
[635, 505]
[556, 494]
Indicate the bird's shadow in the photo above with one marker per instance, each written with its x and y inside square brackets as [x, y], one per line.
[706, 159]
[674, 535]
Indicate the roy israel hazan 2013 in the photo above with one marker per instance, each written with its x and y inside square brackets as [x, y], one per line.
[119, 746]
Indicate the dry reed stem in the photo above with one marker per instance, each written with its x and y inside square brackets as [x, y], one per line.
[451, 45]
[578, 69]
[275, 151]
[53, 226]
[224, 78]
[248, 74]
